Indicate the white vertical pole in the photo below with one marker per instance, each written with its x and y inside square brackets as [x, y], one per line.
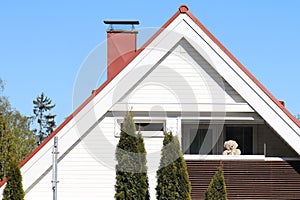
[54, 168]
[179, 131]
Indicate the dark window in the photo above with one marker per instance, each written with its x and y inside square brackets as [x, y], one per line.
[200, 141]
[243, 136]
[149, 126]
[149, 130]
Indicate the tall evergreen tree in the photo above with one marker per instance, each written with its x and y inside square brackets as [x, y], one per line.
[184, 188]
[143, 177]
[217, 187]
[131, 170]
[14, 188]
[172, 176]
[43, 105]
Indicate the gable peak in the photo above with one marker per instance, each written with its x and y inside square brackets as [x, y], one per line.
[183, 8]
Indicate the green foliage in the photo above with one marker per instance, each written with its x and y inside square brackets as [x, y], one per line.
[14, 188]
[5, 142]
[142, 174]
[131, 170]
[172, 176]
[217, 187]
[14, 131]
[16, 142]
[43, 105]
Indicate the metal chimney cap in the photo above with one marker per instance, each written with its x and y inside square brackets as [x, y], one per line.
[121, 22]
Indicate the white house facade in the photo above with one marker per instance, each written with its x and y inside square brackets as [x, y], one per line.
[181, 80]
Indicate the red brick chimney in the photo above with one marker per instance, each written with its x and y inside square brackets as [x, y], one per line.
[121, 46]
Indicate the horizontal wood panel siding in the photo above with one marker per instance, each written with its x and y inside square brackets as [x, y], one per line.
[88, 170]
[248, 179]
[183, 77]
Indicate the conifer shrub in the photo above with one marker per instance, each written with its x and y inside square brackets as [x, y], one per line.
[14, 188]
[172, 176]
[131, 170]
[142, 174]
[217, 187]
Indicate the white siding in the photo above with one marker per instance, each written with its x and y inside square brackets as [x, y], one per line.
[153, 147]
[42, 189]
[183, 78]
[88, 170]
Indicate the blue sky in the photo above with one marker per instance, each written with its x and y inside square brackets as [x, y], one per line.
[43, 44]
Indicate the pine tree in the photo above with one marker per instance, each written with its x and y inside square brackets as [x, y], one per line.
[172, 176]
[217, 187]
[14, 188]
[131, 170]
[46, 122]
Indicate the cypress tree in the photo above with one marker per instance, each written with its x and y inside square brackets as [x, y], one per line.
[172, 176]
[217, 187]
[143, 178]
[131, 170]
[184, 188]
[14, 188]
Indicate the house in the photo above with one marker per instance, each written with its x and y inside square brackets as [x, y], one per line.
[182, 79]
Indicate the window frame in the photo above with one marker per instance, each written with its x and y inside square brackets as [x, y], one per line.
[239, 144]
[145, 134]
[186, 130]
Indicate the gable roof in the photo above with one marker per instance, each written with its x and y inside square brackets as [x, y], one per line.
[104, 91]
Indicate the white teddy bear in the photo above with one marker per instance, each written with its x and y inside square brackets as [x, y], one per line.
[231, 148]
